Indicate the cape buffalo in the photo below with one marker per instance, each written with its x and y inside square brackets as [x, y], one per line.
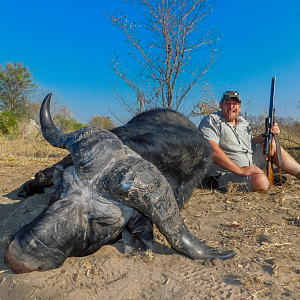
[111, 189]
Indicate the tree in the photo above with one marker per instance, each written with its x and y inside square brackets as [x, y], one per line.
[165, 44]
[65, 120]
[34, 104]
[62, 115]
[67, 124]
[206, 104]
[16, 87]
[102, 122]
[8, 123]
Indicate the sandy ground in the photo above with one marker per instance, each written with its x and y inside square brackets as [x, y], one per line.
[262, 228]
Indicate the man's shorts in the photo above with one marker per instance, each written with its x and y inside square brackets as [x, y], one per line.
[245, 182]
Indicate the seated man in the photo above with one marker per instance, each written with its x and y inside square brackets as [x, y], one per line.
[238, 157]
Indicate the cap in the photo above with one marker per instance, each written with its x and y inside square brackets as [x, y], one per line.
[231, 95]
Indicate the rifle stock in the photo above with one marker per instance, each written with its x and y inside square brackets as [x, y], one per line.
[270, 172]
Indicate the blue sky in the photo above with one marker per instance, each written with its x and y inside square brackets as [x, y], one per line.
[68, 46]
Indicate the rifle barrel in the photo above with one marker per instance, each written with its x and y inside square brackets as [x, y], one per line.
[272, 97]
[270, 120]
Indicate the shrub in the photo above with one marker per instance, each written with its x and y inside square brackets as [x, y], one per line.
[8, 123]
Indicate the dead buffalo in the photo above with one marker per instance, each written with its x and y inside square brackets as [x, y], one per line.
[109, 190]
[165, 138]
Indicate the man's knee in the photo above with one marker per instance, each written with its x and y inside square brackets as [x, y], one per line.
[259, 182]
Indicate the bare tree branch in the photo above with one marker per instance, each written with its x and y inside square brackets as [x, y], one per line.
[166, 43]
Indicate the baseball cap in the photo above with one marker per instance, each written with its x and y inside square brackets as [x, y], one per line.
[231, 95]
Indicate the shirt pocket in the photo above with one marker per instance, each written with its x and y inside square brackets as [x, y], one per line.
[245, 134]
[228, 139]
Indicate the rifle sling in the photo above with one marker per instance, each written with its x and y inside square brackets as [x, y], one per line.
[278, 151]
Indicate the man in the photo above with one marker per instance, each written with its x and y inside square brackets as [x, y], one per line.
[238, 157]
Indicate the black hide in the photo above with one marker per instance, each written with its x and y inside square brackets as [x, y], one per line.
[110, 189]
[173, 144]
[165, 138]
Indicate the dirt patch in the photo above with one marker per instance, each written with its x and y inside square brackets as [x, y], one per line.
[262, 228]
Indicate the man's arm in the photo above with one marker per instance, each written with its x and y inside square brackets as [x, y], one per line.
[222, 160]
[257, 140]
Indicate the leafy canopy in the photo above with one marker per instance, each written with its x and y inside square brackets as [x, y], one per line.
[8, 123]
[16, 87]
[102, 122]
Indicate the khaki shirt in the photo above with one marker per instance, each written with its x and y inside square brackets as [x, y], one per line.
[235, 141]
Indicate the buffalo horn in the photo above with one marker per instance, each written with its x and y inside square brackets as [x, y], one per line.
[51, 133]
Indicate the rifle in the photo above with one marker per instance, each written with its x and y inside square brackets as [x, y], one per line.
[268, 135]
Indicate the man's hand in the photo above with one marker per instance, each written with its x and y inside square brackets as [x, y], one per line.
[275, 129]
[250, 170]
[222, 160]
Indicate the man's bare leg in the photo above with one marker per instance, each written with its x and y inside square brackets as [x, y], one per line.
[289, 165]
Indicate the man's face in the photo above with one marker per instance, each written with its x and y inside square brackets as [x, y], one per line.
[230, 109]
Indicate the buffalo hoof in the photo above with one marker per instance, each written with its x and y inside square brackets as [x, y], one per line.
[196, 249]
[22, 192]
[16, 261]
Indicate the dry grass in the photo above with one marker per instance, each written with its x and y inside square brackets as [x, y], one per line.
[263, 228]
[292, 147]
[28, 148]
[19, 156]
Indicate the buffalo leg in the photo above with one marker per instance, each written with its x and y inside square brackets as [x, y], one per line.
[43, 179]
[138, 234]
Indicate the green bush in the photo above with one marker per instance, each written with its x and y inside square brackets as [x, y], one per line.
[68, 124]
[102, 122]
[8, 123]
